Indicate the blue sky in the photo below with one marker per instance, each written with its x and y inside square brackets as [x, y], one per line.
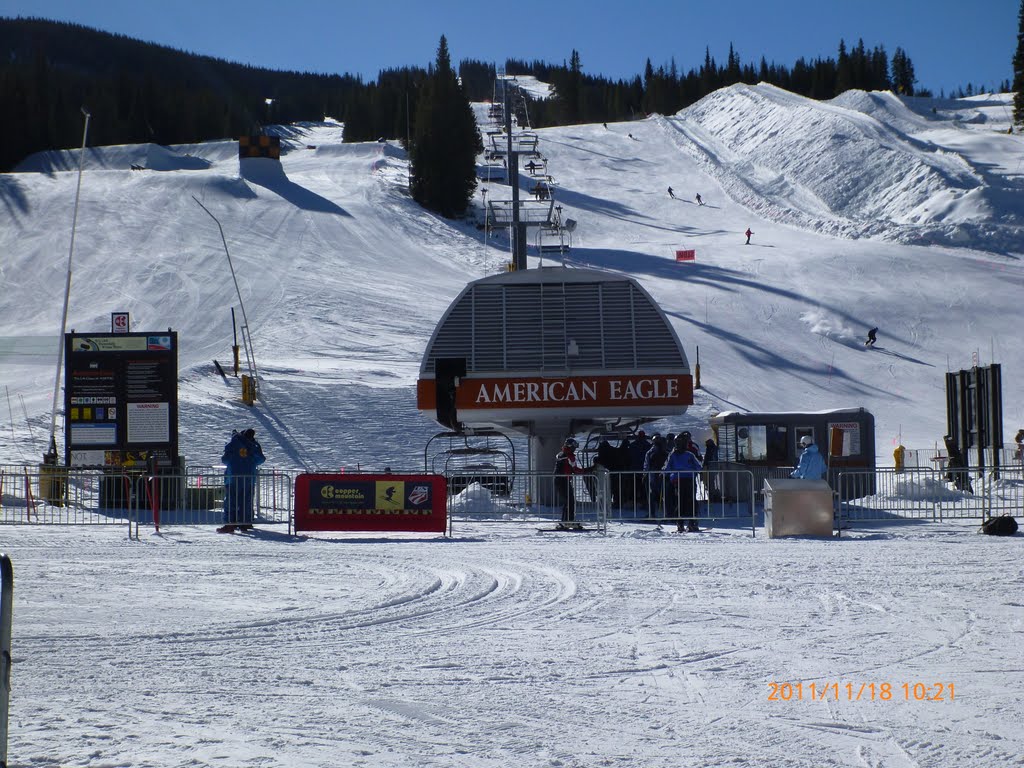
[950, 43]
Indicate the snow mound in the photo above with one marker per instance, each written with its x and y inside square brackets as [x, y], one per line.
[851, 167]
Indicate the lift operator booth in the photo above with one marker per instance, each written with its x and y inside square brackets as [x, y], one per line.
[769, 443]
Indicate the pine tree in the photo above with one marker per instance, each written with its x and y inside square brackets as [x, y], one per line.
[1018, 71]
[572, 95]
[445, 142]
[903, 78]
[843, 73]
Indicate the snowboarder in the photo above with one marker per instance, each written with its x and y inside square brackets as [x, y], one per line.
[748, 233]
[565, 467]
[872, 337]
[812, 465]
[242, 455]
[699, 201]
[671, 193]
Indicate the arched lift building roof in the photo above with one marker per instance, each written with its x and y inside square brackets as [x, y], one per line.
[553, 345]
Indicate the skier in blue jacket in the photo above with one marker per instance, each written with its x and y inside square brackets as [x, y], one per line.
[812, 465]
[242, 455]
[682, 467]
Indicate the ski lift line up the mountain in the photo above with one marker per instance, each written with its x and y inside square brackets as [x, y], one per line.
[518, 215]
[250, 356]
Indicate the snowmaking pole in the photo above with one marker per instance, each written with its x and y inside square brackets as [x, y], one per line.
[250, 355]
[234, 338]
[50, 456]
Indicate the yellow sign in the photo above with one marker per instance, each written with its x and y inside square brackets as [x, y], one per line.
[390, 494]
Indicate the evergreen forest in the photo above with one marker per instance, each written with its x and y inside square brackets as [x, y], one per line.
[139, 92]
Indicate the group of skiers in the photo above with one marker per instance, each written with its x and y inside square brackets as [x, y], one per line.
[700, 201]
[654, 475]
[659, 474]
[672, 194]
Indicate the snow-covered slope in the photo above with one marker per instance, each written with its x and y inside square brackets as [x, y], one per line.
[344, 277]
[497, 646]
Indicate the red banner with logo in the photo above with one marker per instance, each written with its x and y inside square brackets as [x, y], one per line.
[686, 255]
[347, 502]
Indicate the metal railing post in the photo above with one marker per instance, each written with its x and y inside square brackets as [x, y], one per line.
[6, 606]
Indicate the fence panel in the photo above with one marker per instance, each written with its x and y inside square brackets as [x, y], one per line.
[642, 497]
[929, 494]
[69, 496]
[532, 497]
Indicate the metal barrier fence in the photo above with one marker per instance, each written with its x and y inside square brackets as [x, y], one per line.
[930, 494]
[538, 498]
[67, 496]
[43, 495]
[725, 495]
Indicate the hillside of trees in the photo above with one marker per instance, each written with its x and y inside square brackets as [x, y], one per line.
[140, 92]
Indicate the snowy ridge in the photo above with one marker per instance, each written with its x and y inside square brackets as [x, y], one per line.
[847, 168]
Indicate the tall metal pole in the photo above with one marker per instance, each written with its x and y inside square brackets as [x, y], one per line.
[518, 230]
[246, 339]
[6, 607]
[52, 448]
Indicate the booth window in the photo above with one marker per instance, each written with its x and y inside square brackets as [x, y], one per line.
[758, 442]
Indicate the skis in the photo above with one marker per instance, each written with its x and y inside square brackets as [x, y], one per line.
[566, 528]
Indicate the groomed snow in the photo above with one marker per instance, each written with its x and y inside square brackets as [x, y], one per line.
[503, 647]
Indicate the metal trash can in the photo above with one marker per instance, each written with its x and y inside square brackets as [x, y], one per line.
[53, 484]
[797, 507]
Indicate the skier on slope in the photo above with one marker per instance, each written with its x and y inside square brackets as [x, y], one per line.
[748, 233]
[872, 337]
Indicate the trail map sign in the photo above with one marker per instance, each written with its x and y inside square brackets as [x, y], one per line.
[120, 398]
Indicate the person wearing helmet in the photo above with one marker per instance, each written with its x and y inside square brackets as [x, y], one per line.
[566, 466]
[682, 467]
[811, 465]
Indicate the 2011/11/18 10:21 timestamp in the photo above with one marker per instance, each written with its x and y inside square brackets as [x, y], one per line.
[837, 691]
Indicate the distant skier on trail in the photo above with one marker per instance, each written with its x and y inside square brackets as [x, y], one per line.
[671, 193]
[872, 337]
[699, 201]
[748, 233]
